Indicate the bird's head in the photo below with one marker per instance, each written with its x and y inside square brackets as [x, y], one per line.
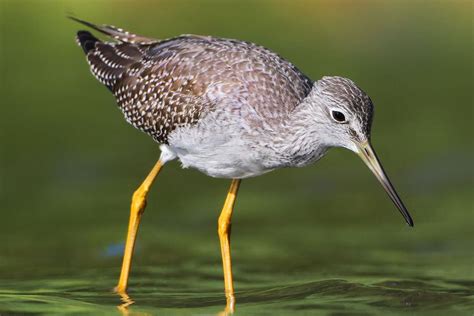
[343, 111]
[343, 115]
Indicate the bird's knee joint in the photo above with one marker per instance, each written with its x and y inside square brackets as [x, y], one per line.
[223, 227]
[138, 201]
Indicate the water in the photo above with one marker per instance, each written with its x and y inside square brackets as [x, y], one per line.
[307, 266]
[270, 286]
[324, 240]
[332, 296]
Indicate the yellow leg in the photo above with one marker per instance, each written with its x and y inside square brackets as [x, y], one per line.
[136, 211]
[223, 229]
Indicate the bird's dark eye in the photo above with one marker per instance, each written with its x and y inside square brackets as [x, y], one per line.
[338, 116]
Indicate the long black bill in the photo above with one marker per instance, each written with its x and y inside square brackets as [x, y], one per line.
[370, 158]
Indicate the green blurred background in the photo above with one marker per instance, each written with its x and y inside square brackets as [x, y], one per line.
[319, 240]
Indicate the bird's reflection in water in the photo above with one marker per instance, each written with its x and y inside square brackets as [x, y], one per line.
[127, 301]
[230, 306]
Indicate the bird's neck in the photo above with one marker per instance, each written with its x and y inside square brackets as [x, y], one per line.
[300, 142]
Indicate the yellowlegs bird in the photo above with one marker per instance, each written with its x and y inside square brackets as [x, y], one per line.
[230, 109]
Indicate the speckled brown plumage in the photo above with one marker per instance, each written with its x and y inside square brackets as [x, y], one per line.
[162, 85]
[229, 108]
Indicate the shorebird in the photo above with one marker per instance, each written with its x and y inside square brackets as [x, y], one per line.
[230, 109]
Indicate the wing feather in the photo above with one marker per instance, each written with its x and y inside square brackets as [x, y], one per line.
[161, 85]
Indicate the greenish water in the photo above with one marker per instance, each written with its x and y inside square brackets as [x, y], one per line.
[322, 240]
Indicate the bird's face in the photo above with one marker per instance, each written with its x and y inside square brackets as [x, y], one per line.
[344, 115]
[344, 112]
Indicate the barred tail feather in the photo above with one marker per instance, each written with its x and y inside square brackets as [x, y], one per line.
[117, 33]
[86, 40]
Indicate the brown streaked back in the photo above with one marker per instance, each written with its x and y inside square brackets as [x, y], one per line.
[162, 85]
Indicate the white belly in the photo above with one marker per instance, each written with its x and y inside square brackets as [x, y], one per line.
[217, 152]
[218, 164]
